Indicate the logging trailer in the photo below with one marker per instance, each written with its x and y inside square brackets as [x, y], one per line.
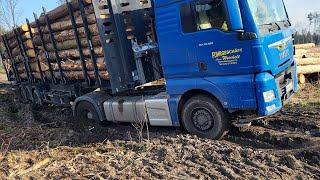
[185, 63]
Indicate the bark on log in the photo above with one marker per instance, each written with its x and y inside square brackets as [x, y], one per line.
[71, 65]
[308, 61]
[73, 53]
[78, 75]
[27, 43]
[305, 46]
[314, 50]
[74, 75]
[66, 35]
[66, 24]
[11, 36]
[72, 44]
[307, 55]
[308, 69]
[30, 52]
[61, 11]
[34, 67]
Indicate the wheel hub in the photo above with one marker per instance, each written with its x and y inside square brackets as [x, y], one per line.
[202, 119]
[89, 115]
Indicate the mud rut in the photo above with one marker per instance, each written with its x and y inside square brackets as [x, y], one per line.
[286, 145]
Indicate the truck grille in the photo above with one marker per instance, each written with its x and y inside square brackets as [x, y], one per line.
[285, 83]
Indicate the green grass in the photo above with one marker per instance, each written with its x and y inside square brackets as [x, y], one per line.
[2, 71]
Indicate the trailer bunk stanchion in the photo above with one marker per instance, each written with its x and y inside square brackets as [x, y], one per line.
[24, 53]
[53, 41]
[116, 64]
[79, 46]
[13, 61]
[36, 51]
[48, 59]
[4, 65]
[89, 39]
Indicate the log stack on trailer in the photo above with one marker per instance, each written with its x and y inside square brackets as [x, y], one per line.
[63, 43]
[308, 60]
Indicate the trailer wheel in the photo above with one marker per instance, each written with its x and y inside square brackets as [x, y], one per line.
[36, 98]
[86, 111]
[24, 94]
[205, 117]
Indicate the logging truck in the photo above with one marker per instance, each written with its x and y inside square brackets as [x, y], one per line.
[202, 65]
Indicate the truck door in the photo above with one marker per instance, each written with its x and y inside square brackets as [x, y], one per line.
[219, 51]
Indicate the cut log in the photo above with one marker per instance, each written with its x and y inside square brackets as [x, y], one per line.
[309, 69]
[16, 50]
[72, 44]
[25, 28]
[30, 52]
[66, 35]
[73, 75]
[61, 11]
[73, 53]
[67, 25]
[69, 65]
[308, 61]
[34, 67]
[12, 37]
[314, 50]
[302, 79]
[307, 55]
[78, 75]
[305, 46]
[72, 65]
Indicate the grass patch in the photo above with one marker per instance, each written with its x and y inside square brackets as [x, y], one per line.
[309, 96]
[2, 71]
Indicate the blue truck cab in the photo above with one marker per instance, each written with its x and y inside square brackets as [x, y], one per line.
[240, 52]
[199, 63]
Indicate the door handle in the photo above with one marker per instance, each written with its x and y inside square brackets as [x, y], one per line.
[202, 66]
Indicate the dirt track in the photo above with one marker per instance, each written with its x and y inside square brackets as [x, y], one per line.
[48, 143]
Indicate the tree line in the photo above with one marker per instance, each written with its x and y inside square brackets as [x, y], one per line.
[307, 37]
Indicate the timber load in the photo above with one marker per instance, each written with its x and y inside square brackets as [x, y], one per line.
[308, 61]
[64, 42]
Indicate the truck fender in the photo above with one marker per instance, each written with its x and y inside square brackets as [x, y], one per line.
[96, 98]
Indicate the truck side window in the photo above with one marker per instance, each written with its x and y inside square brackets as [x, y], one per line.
[208, 14]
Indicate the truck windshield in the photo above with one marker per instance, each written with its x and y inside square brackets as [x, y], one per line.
[268, 12]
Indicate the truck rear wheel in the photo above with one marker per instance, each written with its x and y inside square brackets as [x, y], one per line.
[205, 117]
[86, 111]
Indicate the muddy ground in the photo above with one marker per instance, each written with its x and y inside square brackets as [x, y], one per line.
[47, 143]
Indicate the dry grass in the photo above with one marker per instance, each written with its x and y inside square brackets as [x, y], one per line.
[309, 96]
[2, 71]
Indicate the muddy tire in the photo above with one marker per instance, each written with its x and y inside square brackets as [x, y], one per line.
[37, 100]
[205, 117]
[86, 111]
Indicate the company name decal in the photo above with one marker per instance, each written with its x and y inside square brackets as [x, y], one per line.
[227, 57]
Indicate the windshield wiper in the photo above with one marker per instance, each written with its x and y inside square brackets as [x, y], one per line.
[274, 26]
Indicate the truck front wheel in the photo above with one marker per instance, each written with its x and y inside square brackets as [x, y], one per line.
[205, 117]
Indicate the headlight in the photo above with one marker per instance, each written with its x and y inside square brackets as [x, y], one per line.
[269, 96]
[271, 108]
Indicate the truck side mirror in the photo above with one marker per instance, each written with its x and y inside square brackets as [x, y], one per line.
[233, 14]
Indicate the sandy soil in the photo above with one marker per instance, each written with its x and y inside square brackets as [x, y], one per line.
[3, 78]
[48, 143]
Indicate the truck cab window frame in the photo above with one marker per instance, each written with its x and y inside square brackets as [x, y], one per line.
[203, 15]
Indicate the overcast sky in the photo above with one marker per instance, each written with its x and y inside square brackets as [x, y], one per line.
[297, 9]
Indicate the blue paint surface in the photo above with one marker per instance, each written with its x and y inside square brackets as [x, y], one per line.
[238, 85]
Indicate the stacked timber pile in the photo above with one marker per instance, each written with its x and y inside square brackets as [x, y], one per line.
[308, 60]
[41, 52]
